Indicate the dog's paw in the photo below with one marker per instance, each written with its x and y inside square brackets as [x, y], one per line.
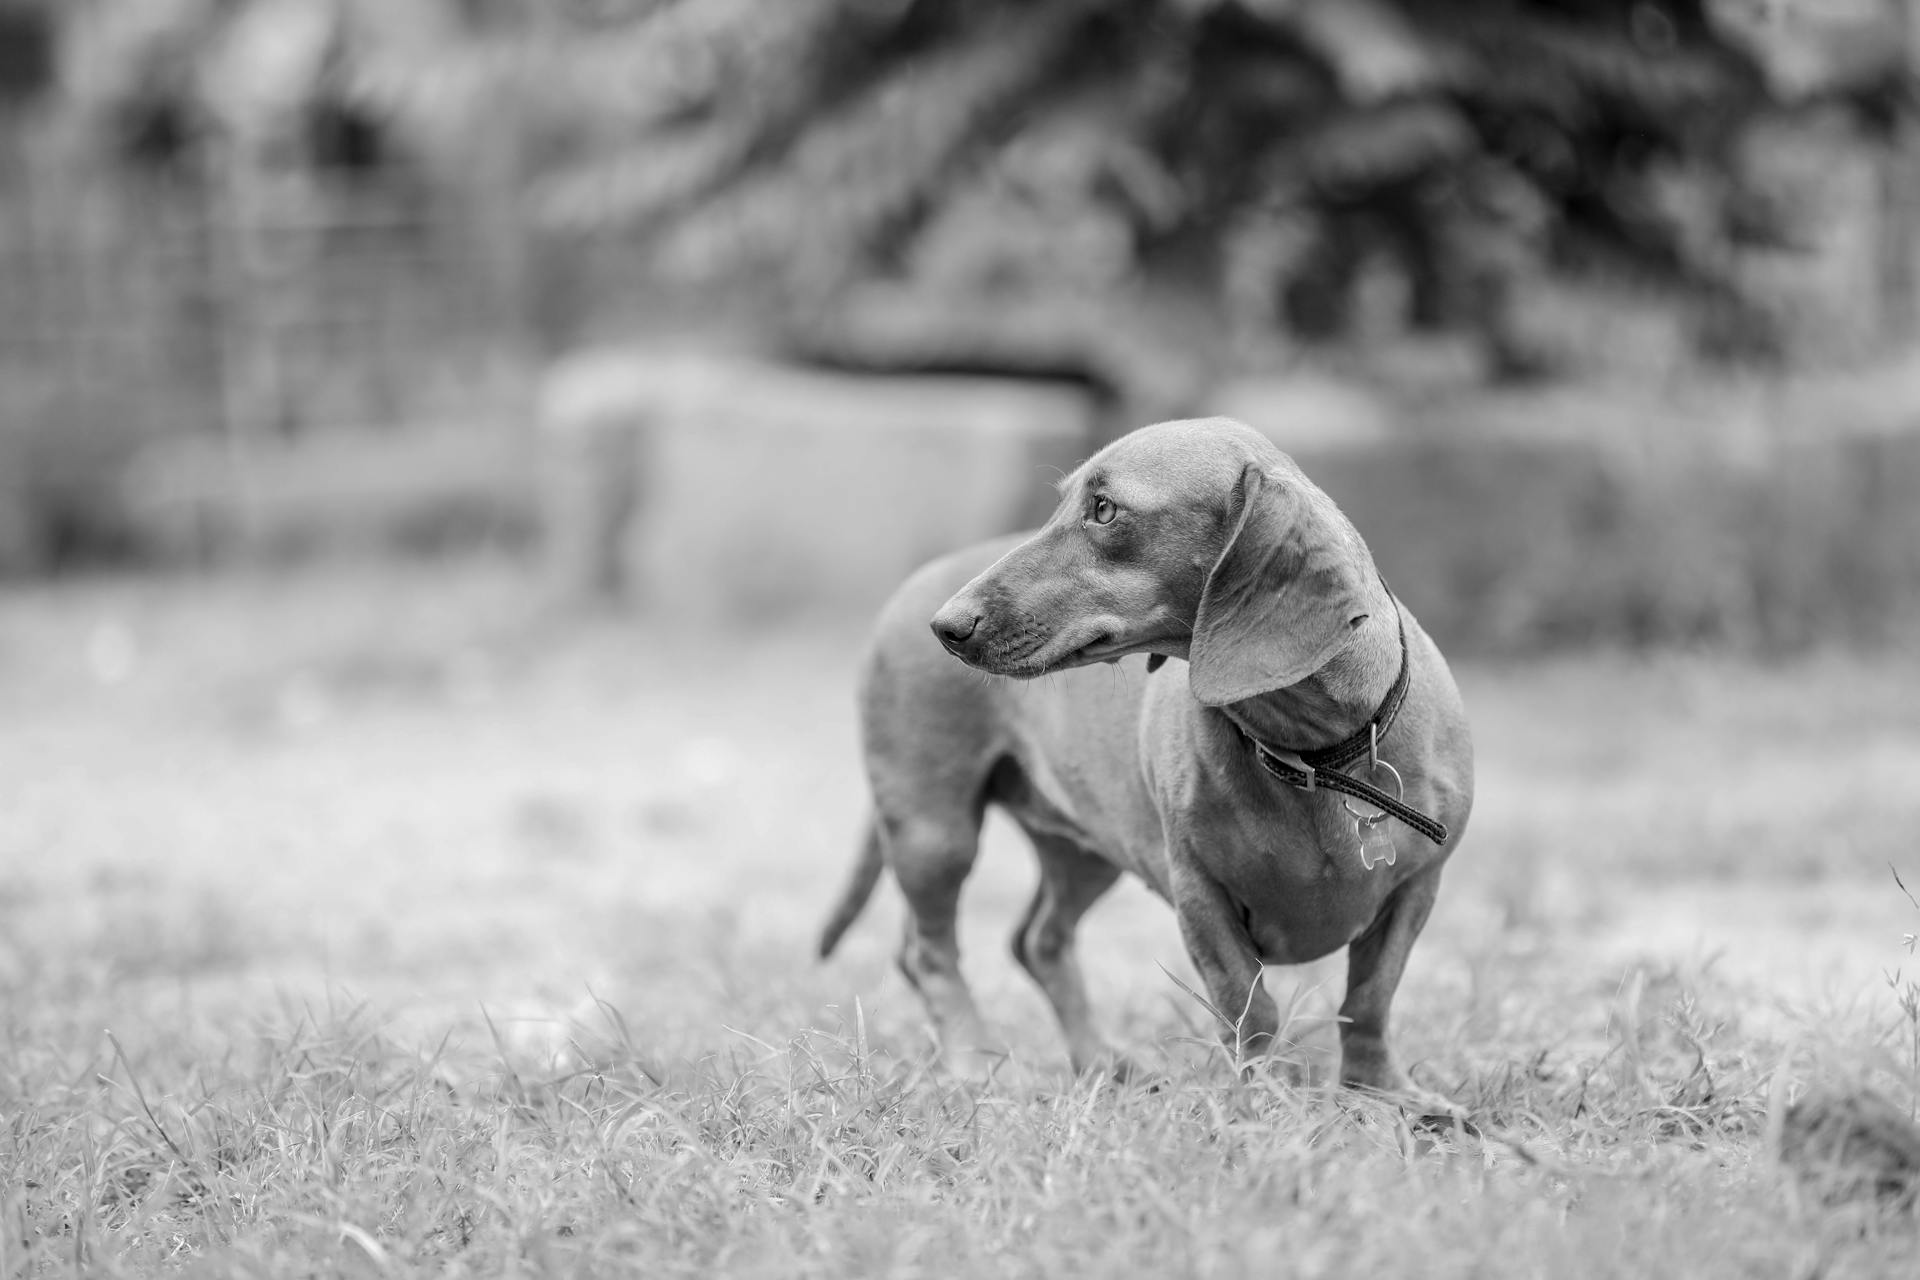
[1431, 1113]
[1122, 1070]
[972, 1066]
[1424, 1111]
[1113, 1068]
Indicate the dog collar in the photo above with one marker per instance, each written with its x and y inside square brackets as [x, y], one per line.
[1320, 768]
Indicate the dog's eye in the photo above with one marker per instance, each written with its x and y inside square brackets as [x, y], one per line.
[1104, 511]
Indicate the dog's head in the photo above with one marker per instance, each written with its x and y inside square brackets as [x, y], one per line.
[1195, 539]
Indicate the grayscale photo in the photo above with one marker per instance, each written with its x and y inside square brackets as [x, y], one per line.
[935, 639]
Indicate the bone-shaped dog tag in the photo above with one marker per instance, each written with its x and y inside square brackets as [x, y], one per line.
[1376, 842]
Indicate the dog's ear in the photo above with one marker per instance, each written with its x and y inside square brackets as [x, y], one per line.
[1285, 594]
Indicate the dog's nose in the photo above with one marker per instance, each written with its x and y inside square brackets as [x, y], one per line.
[954, 627]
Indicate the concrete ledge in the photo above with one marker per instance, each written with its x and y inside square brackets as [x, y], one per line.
[432, 487]
[716, 487]
[1761, 514]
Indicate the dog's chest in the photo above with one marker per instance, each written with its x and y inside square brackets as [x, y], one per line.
[1293, 862]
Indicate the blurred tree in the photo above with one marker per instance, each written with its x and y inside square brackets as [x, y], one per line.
[980, 183]
[26, 52]
[1083, 186]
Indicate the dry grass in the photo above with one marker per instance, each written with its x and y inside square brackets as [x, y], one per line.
[372, 926]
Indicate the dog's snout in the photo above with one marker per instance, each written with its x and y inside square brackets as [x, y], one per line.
[953, 627]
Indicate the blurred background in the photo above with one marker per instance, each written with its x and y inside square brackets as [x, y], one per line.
[1599, 316]
[449, 448]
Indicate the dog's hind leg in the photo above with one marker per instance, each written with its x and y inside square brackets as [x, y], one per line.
[1071, 881]
[931, 854]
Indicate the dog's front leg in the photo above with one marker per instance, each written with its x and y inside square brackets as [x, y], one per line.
[1375, 961]
[1215, 931]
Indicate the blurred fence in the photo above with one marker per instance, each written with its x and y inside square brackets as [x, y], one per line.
[246, 311]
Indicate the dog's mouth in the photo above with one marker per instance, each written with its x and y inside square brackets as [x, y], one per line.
[1102, 648]
[1031, 661]
[1105, 647]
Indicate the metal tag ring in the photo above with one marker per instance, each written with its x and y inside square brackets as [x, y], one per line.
[1399, 793]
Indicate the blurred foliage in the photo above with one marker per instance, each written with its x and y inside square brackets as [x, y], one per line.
[1073, 185]
[26, 52]
[1266, 156]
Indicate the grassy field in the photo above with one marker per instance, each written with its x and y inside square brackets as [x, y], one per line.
[375, 924]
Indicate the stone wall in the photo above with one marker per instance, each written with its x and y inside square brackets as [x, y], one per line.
[725, 487]
[1761, 512]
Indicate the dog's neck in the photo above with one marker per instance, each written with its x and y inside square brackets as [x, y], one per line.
[1338, 699]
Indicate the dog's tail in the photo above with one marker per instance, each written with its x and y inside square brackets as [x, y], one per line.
[866, 874]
